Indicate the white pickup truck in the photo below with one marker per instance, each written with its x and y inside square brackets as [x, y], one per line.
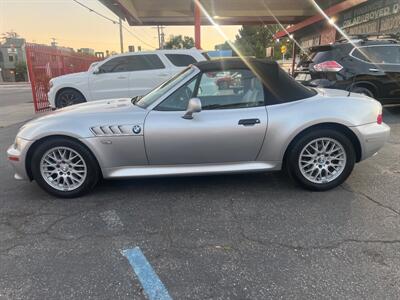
[125, 75]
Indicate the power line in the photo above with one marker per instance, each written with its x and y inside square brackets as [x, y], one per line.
[114, 22]
[97, 13]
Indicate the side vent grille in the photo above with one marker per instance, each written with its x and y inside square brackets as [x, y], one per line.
[112, 130]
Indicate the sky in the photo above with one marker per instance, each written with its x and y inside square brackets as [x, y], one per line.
[74, 26]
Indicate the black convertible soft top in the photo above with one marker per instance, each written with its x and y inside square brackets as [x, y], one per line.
[279, 86]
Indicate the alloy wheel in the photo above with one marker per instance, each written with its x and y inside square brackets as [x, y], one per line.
[322, 160]
[63, 168]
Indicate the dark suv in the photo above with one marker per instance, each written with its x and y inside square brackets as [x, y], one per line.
[365, 66]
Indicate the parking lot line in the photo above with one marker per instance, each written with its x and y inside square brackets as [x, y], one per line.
[152, 285]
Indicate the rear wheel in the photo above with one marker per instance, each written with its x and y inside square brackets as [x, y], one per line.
[64, 168]
[321, 160]
[69, 97]
[363, 90]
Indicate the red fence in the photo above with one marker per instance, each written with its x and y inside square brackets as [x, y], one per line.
[46, 62]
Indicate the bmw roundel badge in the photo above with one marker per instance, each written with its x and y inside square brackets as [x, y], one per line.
[136, 129]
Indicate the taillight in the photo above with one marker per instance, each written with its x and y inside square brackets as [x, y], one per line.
[328, 66]
[379, 119]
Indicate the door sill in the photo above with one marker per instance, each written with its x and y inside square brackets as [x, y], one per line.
[195, 169]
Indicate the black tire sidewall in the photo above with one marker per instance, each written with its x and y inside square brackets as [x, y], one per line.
[292, 164]
[92, 175]
[70, 91]
[363, 90]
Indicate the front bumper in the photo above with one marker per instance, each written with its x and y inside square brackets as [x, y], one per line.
[51, 96]
[372, 137]
[16, 155]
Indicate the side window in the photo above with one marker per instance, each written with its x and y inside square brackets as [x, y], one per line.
[117, 64]
[181, 60]
[179, 99]
[230, 89]
[379, 54]
[144, 62]
[132, 63]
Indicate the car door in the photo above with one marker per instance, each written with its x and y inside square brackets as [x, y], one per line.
[230, 128]
[111, 79]
[382, 68]
[147, 72]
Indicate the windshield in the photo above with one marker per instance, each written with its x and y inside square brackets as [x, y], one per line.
[155, 94]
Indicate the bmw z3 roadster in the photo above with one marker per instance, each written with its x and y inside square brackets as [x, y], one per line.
[259, 120]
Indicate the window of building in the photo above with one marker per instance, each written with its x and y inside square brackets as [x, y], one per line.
[10, 58]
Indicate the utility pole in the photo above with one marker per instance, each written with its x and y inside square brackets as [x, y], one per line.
[160, 35]
[121, 37]
[54, 43]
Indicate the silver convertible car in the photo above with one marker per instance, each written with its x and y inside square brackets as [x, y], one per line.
[215, 117]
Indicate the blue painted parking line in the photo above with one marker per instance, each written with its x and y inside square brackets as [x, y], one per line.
[152, 285]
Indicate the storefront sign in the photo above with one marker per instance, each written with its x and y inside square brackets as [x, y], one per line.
[310, 41]
[374, 17]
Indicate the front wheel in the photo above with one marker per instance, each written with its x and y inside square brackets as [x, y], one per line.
[321, 160]
[64, 168]
[69, 97]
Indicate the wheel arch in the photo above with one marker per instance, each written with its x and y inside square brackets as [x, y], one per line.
[69, 88]
[335, 126]
[366, 84]
[33, 147]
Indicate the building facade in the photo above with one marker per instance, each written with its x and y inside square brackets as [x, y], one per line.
[13, 60]
[372, 17]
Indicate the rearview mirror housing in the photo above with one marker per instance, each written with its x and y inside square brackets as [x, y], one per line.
[194, 106]
[96, 70]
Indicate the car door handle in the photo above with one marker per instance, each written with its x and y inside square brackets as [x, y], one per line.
[121, 77]
[374, 70]
[249, 122]
[163, 75]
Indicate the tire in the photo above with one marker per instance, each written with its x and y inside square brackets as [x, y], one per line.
[363, 90]
[67, 177]
[69, 97]
[301, 160]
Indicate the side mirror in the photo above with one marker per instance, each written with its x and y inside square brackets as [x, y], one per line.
[194, 106]
[96, 70]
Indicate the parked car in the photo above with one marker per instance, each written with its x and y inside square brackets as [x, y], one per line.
[125, 75]
[370, 67]
[182, 128]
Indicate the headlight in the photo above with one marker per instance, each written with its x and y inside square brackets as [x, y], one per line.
[50, 84]
[17, 143]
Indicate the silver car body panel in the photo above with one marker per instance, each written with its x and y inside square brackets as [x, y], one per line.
[211, 142]
[212, 136]
[193, 169]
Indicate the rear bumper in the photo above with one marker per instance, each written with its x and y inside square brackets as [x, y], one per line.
[372, 137]
[16, 155]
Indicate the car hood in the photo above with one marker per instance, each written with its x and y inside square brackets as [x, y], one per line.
[77, 120]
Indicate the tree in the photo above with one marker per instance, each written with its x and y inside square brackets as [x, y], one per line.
[20, 71]
[253, 40]
[179, 42]
[224, 46]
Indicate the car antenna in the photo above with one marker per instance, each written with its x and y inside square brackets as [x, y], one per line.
[352, 83]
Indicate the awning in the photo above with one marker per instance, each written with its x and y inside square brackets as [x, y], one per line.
[225, 12]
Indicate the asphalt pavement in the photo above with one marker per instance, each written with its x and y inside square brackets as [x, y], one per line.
[253, 236]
